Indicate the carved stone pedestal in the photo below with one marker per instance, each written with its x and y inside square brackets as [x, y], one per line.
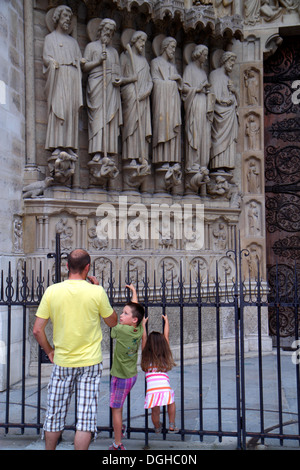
[102, 170]
[167, 177]
[134, 174]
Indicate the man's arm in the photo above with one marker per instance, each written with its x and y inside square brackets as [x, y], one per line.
[40, 336]
[112, 320]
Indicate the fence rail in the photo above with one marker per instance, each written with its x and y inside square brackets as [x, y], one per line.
[237, 304]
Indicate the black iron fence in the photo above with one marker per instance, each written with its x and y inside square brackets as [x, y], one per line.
[228, 315]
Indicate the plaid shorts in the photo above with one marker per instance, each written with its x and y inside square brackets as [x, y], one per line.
[119, 389]
[60, 390]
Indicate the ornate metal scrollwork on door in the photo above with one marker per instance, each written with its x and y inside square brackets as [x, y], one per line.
[282, 175]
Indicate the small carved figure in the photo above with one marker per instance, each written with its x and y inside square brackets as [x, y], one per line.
[220, 235]
[252, 132]
[251, 84]
[62, 165]
[253, 219]
[253, 180]
[37, 188]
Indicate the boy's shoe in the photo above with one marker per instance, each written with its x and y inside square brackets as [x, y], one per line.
[119, 447]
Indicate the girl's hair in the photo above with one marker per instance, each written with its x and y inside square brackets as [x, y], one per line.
[157, 353]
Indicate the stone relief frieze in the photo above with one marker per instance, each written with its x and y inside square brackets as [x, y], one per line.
[257, 11]
[199, 268]
[97, 241]
[66, 231]
[102, 267]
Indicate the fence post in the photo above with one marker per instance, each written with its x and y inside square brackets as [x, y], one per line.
[57, 256]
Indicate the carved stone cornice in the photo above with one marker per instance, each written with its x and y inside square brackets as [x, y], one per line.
[169, 8]
[231, 24]
[128, 4]
[203, 15]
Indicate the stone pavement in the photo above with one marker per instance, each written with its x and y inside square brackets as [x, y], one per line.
[14, 440]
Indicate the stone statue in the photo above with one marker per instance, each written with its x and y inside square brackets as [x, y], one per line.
[223, 7]
[252, 131]
[253, 178]
[166, 107]
[136, 130]
[251, 11]
[61, 58]
[270, 12]
[252, 87]
[197, 114]
[37, 188]
[101, 62]
[225, 123]
[254, 219]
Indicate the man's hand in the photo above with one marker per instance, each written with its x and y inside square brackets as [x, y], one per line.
[93, 280]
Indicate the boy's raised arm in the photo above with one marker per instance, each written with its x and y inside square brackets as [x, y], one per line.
[134, 294]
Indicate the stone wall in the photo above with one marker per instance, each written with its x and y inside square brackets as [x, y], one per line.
[12, 151]
[12, 122]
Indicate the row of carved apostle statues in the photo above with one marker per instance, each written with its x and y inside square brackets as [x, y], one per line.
[126, 96]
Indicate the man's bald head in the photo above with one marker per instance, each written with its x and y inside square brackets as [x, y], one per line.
[77, 260]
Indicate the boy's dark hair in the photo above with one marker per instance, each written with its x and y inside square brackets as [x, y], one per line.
[77, 260]
[137, 311]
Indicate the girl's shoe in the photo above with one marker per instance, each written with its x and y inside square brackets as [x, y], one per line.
[158, 430]
[119, 447]
[172, 428]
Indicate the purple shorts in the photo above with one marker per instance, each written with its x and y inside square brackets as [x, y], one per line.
[119, 390]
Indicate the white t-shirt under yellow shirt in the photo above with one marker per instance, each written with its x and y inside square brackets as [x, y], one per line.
[74, 308]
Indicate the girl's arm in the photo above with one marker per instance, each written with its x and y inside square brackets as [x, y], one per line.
[144, 337]
[166, 328]
[134, 294]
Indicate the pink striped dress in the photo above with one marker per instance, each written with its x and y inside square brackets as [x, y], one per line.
[159, 392]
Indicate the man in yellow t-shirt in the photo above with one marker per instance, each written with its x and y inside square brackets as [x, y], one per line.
[74, 308]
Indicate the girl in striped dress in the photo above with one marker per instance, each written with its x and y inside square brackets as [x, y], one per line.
[157, 360]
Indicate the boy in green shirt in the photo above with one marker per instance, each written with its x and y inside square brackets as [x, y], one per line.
[128, 334]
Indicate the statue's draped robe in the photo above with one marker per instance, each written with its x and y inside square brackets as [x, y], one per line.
[166, 112]
[197, 125]
[131, 142]
[94, 98]
[224, 131]
[63, 90]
